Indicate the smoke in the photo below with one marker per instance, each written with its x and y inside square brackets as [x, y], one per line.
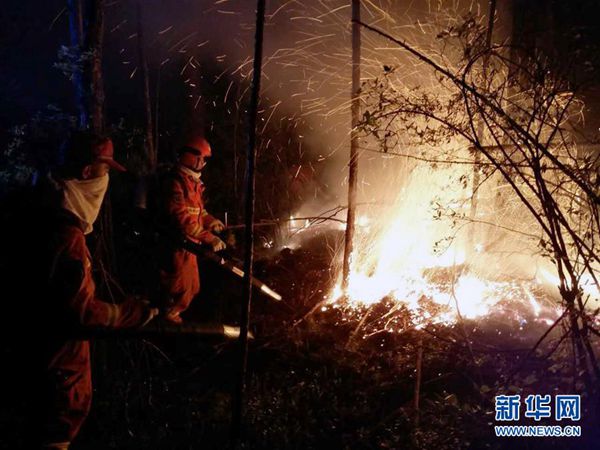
[305, 110]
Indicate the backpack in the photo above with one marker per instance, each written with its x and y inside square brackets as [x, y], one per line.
[150, 198]
[146, 234]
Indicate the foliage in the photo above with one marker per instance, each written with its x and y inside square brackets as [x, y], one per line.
[519, 113]
[33, 147]
[71, 60]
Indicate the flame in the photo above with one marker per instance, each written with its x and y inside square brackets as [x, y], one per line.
[396, 257]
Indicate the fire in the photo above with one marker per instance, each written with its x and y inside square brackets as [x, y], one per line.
[469, 297]
[397, 256]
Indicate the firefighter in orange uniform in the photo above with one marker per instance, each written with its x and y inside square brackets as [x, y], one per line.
[71, 305]
[184, 217]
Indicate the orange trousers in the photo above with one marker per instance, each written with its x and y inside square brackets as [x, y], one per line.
[180, 280]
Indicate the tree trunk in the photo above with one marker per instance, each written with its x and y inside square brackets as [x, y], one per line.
[240, 392]
[76, 41]
[353, 165]
[104, 255]
[95, 45]
[418, 379]
[480, 132]
[151, 157]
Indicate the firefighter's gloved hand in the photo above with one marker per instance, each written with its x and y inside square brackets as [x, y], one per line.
[216, 243]
[217, 226]
[148, 312]
[151, 313]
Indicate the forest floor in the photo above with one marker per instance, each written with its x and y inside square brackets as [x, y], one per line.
[316, 381]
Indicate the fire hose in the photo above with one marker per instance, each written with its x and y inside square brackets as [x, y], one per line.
[162, 328]
[204, 252]
[199, 250]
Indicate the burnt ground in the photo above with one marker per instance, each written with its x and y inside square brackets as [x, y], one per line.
[316, 383]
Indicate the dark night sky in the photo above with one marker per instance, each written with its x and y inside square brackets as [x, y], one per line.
[32, 31]
[28, 48]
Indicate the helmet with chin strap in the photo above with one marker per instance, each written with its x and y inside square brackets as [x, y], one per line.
[192, 155]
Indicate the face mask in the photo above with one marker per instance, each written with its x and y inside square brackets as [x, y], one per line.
[84, 199]
[192, 173]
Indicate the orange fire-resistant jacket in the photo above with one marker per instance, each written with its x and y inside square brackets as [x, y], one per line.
[70, 308]
[184, 216]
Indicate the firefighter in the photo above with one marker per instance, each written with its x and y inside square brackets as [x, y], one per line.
[183, 216]
[70, 306]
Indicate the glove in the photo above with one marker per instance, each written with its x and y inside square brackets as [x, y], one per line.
[144, 311]
[148, 312]
[217, 226]
[151, 314]
[216, 243]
